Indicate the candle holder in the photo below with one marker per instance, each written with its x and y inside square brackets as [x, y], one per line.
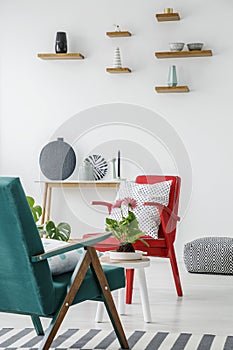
[119, 164]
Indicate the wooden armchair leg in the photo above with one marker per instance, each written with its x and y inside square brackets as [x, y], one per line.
[78, 276]
[90, 259]
[108, 300]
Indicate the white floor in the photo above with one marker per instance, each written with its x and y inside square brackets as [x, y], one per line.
[206, 307]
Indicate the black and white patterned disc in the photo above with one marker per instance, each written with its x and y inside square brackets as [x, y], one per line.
[99, 164]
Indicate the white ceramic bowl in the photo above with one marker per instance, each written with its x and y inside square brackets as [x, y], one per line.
[195, 46]
[114, 255]
[176, 46]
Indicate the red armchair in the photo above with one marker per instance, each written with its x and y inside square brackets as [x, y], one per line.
[163, 246]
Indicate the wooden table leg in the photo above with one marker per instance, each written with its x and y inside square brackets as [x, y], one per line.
[44, 203]
[49, 203]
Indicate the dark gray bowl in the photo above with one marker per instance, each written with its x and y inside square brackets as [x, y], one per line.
[195, 46]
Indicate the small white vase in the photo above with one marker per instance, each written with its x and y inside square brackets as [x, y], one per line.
[117, 58]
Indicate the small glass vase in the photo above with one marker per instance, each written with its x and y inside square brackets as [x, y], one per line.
[172, 76]
[86, 172]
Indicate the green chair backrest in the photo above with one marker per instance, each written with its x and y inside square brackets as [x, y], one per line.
[25, 287]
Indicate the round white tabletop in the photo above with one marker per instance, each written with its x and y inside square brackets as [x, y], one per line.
[127, 264]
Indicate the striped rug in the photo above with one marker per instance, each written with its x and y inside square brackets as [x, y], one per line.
[98, 339]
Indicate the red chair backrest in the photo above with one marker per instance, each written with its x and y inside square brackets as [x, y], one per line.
[174, 190]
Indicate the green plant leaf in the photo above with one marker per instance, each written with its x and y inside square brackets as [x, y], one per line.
[133, 236]
[133, 225]
[51, 230]
[143, 241]
[111, 221]
[125, 230]
[35, 209]
[61, 232]
[31, 201]
[64, 231]
[131, 216]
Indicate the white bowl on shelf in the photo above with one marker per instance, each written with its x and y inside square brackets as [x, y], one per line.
[176, 46]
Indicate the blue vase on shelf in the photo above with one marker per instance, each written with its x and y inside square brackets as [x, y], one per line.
[172, 76]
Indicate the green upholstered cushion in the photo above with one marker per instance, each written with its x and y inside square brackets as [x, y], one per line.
[89, 290]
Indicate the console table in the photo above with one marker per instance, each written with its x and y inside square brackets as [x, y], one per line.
[49, 185]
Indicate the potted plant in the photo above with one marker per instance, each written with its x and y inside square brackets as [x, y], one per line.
[126, 230]
[49, 229]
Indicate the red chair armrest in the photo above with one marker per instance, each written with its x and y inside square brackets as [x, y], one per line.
[167, 216]
[106, 204]
[162, 208]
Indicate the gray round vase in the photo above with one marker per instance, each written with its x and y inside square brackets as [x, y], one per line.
[57, 160]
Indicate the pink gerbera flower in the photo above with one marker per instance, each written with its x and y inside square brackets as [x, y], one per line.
[132, 203]
[117, 204]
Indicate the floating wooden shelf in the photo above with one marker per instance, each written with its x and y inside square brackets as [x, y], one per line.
[118, 34]
[163, 17]
[177, 54]
[60, 56]
[168, 89]
[118, 70]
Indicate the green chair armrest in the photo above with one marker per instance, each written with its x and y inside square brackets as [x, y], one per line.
[85, 242]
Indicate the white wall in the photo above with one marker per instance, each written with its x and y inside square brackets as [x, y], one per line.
[38, 97]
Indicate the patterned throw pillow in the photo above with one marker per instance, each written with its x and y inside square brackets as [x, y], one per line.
[64, 262]
[148, 217]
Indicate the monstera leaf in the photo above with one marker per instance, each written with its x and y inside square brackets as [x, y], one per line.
[60, 232]
[35, 209]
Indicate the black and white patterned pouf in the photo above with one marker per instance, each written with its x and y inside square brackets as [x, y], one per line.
[209, 255]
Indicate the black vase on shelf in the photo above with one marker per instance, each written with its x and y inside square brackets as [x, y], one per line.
[61, 43]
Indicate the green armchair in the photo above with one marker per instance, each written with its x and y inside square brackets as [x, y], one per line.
[26, 283]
